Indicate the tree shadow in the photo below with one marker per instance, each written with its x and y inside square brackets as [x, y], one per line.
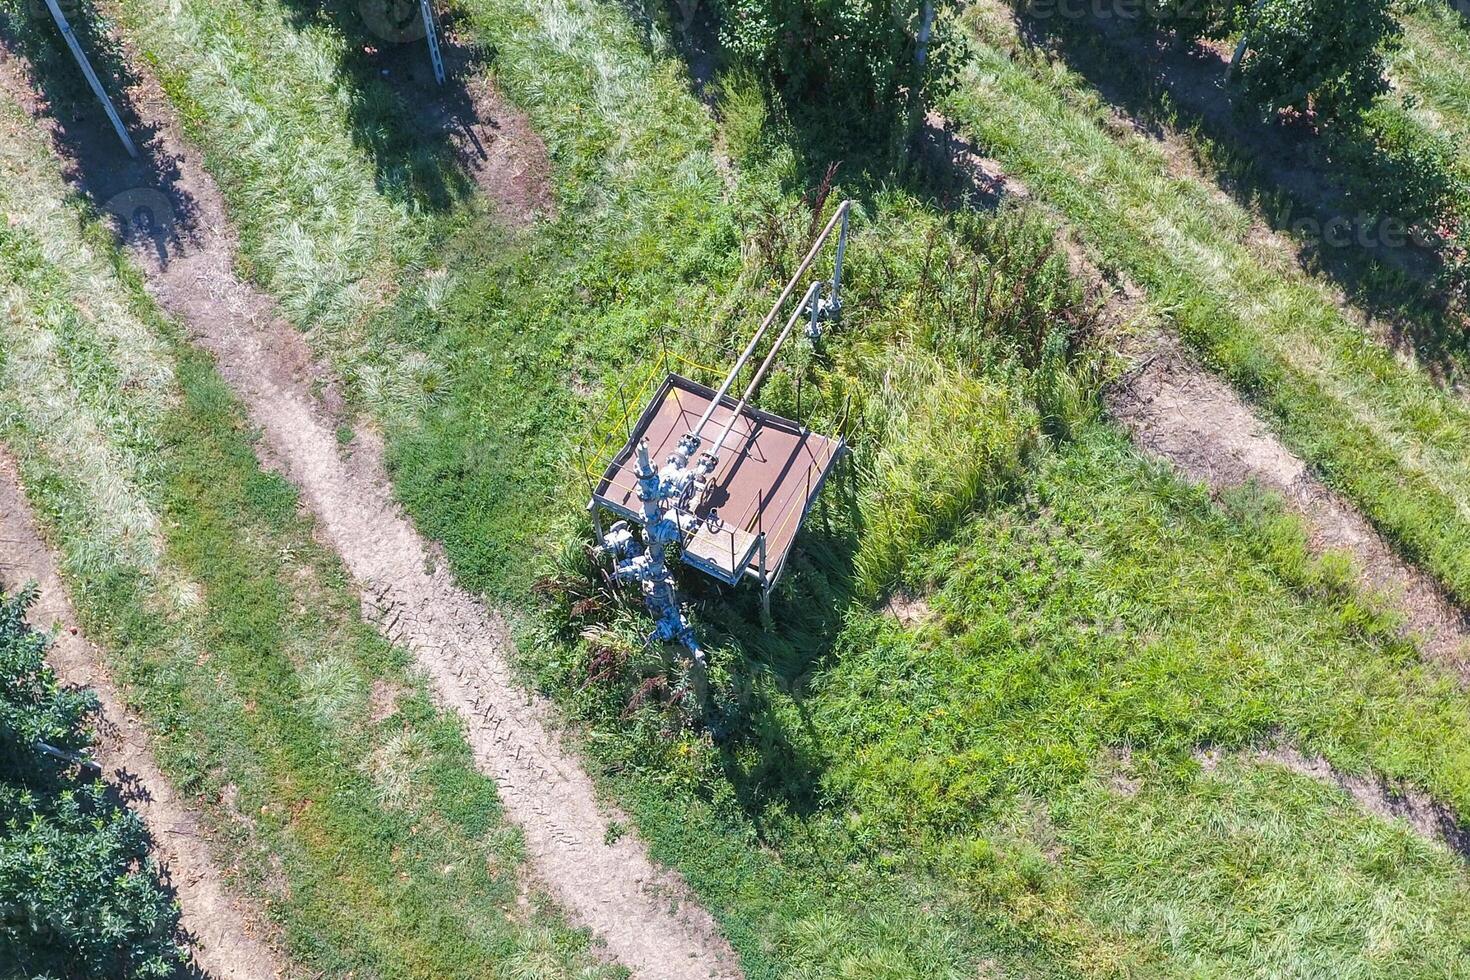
[692, 29]
[954, 175]
[400, 116]
[871, 155]
[146, 196]
[428, 141]
[1283, 171]
[124, 789]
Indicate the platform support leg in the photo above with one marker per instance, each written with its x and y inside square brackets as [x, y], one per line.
[767, 622]
[836, 300]
[597, 526]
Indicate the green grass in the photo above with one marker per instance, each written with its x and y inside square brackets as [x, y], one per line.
[1376, 429]
[1115, 609]
[643, 238]
[879, 802]
[329, 211]
[1433, 66]
[541, 330]
[370, 838]
[874, 813]
[1108, 608]
[1206, 865]
[1342, 200]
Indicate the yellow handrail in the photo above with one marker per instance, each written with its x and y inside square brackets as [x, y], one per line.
[610, 438]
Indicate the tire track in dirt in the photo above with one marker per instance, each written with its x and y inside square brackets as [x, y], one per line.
[227, 942]
[1179, 411]
[645, 914]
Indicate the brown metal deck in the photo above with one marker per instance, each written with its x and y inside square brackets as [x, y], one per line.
[770, 471]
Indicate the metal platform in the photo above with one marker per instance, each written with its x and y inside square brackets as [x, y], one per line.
[724, 552]
[769, 475]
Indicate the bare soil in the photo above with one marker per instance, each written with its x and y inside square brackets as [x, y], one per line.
[504, 155]
[644, 913]
[986, 180]
[493, 140]
[1177, 410]
[227, 940]
[1121, 777]
[910, 610]
[1426, 817]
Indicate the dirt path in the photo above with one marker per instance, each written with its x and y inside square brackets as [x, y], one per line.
[1426, 817]
[644, 913]
[227, 942]
[1284, 158]
[1176, 409]
[1179, 411]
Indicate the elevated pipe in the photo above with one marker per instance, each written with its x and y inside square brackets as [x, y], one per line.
[811, 256]
[807, 300]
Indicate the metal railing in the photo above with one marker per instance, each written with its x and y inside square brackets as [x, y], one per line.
[838, 216]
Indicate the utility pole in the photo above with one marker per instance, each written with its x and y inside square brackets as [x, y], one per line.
[926, 25]
[431, 31]
[86, 66]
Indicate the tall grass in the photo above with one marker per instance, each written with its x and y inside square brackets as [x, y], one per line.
[1109, 612]
[1377, 429]
[943, 444]
[1208, 860]
[1108, 607]
[864, 800]
[1433, 67]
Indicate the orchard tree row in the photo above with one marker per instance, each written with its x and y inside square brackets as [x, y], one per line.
[869, 56]
[79, 891]
[1321, 56]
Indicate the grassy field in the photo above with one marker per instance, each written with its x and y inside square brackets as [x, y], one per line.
[1433, 66]
[1011, 785]
[635, 176]
[1367, 208]
[1376, 428]
[330, 212]
[343, 802]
